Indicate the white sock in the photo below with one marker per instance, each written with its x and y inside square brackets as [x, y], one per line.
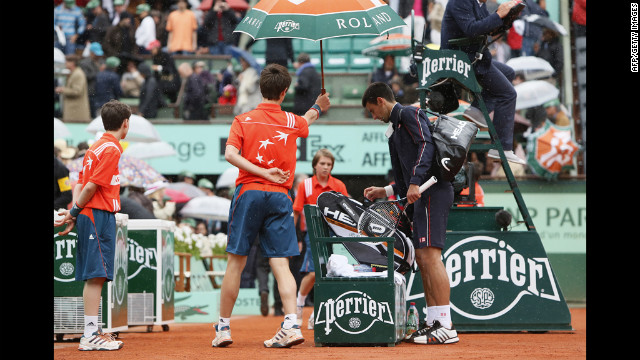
[431, 315]
[222, 322]
[301, 299]
[90, 325]
[289, 321]
[443, 315]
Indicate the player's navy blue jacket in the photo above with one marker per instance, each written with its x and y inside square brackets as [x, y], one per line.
[411, 147]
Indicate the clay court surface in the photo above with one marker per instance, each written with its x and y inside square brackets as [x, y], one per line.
[193, 341]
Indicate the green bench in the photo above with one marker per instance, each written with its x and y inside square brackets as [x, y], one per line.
[352, 311]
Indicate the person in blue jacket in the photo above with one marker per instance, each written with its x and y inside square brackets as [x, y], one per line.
[413, 161]
[470, 19]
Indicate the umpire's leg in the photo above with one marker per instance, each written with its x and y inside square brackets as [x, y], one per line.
[500, 96]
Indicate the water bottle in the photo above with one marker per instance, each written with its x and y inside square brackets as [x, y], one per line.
[412, 319]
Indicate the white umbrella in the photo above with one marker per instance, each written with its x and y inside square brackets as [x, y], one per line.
[228, 178]
[58, 56]
[190, 190]
[60, 130]
[140, 129]
[535, 92]
[148, 150]
[207, 207]
[532, 67]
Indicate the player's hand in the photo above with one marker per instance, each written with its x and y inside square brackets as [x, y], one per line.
[504, 8]
[323, 102]
[374, 192]
[66, 219]
[413, 193]
[277, 176]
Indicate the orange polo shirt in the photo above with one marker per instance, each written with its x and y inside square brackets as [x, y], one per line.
[266, 136]
[310, 189]
[100, 166]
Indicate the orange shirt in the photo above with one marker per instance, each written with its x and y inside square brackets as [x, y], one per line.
[267, 137]
[308, 192]
[182, 25]
[100, 166]
[479, 195]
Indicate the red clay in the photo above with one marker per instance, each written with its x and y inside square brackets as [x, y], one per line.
[193, 341]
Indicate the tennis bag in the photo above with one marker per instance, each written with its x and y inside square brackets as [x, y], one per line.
[452, 138]
[336, 208]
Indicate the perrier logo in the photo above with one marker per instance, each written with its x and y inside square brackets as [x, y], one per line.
[490, 277]
[353, 312]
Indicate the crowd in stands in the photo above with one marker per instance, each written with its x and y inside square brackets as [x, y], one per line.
[127, 49]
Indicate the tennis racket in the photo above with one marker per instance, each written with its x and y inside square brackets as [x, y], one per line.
[381, 218]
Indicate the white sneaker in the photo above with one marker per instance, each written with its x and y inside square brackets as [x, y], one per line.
[511, 157]
[223, 337]
[285, 338]
[299, 315]
[310, 322]
[99, 341]
[435, 335]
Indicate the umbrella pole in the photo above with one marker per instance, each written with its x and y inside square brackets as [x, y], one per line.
[322, 91]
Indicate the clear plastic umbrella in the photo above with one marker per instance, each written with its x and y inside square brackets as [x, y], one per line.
[535, 92]
[149, 150]
[207, 207]
[532, 67]
[140, 129]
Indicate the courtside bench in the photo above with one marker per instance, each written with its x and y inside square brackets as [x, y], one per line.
[353, 310]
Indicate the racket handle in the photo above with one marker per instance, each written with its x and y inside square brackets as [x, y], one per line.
[349, 210]
[428, 184]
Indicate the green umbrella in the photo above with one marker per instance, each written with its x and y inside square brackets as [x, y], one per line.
[318, 20]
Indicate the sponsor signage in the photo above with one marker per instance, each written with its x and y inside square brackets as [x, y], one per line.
[499, 281]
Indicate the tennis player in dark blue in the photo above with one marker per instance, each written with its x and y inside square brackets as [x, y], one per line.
[471, 19]
[413, 161]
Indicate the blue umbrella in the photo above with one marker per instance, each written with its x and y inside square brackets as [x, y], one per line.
[238, 53]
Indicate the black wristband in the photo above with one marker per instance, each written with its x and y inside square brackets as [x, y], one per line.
[317, 107]
[75, 210]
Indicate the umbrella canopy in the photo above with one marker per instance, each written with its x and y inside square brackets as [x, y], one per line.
[140, 129]
[238, 53]
[532, 67]
[60, 130]
[58, 56]
[550, 150]
[318, 20]
[144, 150]
[176, 196]
[535, 92]
[207, 207]
[392, 44]
[133, 172]
[190, 190]
[545, 22]
[228, 178]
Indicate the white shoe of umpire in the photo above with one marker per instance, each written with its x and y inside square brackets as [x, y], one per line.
[511, 157]
[99, 341]
[435, 335]
[310, 322]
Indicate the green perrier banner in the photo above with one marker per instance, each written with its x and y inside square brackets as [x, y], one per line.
[500, 281]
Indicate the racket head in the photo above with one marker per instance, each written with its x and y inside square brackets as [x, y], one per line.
[380, 219]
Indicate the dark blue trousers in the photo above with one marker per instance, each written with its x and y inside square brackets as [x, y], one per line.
[499, 96]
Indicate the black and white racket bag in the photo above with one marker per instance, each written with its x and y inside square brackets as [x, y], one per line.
[336, 214]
